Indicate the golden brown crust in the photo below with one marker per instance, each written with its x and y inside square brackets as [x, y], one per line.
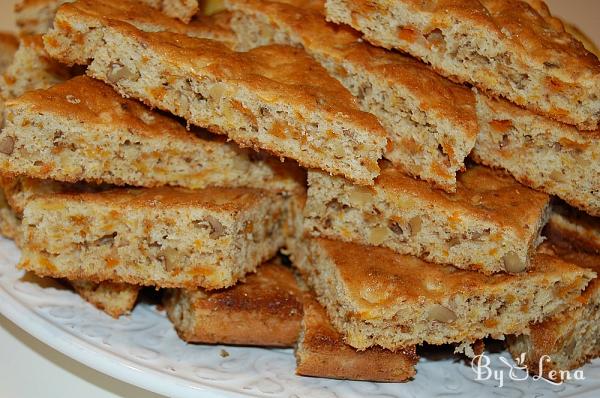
[396, 277]
[86, 109]
[544, 154]
[377, 297]
[8, 45]
[431, 122]
[568, 339]
[8, 42]
[525, 30]
[561, 247]
[321, 352]
[490, 224]
[35, 16]
[587, 42]
[90, 101]
[306, 19]
[281, 79]
[279, 73]
[534, 32]
[482, 192]
[176, 238]
[265, 309]
[213, 198]
[19, 190]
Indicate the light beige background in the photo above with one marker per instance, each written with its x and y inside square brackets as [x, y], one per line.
[29, 369]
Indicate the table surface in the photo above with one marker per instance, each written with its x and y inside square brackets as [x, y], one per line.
[36, 370]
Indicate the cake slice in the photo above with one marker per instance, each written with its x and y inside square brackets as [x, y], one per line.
[321, 352]
[569, 339]
[32, 69]
[265, 310]
[82, 130]
[544, 154]
[115, 299]
[510, 48]
[172, 237]
[377, 297]
[491, 224]
[17, 191]
[36, 16]
[431, 122]
[274, 97]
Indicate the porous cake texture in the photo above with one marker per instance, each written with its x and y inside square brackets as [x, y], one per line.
[539, 152]
[32, 69]
[115, 299]
[431, 122]
[510, 48]
[264, 309]
[322, 352]
[490, 224]
[173, 237]
[571, 338]
[36, 16]
[82, 130]
[273, 97]
[377, 297]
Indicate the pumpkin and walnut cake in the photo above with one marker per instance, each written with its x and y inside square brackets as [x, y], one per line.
[276, 97]
[490, 224]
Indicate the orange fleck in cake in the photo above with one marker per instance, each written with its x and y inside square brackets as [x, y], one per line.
[510, 48]
[173, 237]
[264, 309]
[490, 224]
[377, 297]
[82, 130]
[274, 97]
[431, 122]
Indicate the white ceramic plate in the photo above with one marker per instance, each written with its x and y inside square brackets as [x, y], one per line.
[143, 349]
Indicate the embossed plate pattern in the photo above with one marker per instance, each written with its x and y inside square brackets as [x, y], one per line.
[143, 349]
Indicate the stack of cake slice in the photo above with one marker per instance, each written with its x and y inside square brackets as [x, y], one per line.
[566, 340]
[145, 144]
